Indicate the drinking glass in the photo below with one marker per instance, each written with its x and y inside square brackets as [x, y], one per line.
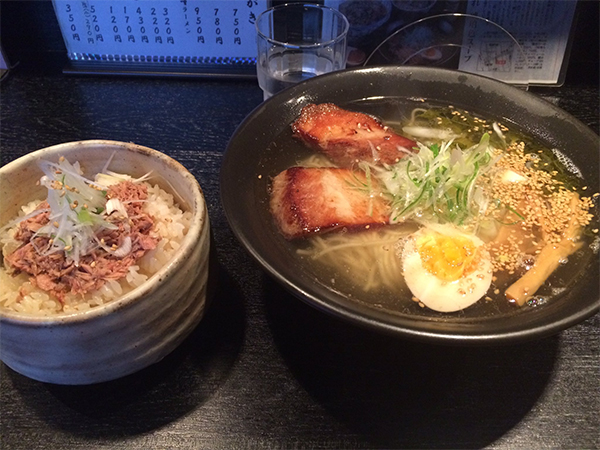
[298, 41]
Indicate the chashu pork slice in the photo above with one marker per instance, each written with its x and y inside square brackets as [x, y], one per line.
[347, 137]
[306, 200]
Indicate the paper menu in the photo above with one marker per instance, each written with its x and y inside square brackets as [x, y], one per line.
[542, 29]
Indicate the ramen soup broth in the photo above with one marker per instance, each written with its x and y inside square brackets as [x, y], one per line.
[350, 278]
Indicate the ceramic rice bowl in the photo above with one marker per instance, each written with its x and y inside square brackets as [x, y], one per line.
[132, 331]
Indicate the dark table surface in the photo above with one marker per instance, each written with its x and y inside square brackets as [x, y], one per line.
[264, 370]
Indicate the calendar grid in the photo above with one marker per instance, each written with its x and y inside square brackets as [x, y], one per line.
[162, 59]
[169, 33]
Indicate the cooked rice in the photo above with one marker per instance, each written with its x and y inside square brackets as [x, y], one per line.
[170, 223]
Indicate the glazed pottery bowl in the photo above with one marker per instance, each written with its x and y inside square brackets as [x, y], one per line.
[130, 332]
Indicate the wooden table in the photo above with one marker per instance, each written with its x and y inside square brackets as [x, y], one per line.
[264, 370]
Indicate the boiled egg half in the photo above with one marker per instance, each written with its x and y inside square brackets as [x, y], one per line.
[446, 269]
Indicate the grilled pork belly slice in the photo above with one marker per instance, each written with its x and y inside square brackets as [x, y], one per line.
[347, 137]
[311, 200]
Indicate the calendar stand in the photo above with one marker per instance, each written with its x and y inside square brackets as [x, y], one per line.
[247, 71]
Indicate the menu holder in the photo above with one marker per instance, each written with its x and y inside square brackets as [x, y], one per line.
[456, 40]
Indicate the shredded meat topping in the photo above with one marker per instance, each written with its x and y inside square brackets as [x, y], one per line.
[59, 276]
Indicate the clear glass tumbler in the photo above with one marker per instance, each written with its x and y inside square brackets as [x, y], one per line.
[298, 41]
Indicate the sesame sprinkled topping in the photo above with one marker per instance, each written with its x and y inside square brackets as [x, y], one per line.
[535, 211]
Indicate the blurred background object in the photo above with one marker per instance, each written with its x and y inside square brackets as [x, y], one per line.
[4, 66]
[364, 17]
[31, 34]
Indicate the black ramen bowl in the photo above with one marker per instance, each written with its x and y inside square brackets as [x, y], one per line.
[262, 146]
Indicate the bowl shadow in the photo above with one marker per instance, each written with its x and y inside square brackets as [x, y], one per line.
[396, 393]
[156, 395]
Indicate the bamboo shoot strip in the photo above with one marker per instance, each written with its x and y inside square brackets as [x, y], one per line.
[547, 261]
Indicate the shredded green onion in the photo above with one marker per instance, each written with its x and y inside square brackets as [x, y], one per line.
[438, 183]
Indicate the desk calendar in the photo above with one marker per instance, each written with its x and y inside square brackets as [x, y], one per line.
[200, 37]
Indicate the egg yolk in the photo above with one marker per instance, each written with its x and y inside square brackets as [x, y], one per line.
[448, 258]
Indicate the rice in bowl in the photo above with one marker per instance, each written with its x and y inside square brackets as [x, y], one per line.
[171, 224]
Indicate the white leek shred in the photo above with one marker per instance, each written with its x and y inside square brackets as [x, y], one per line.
[499, 132]
[114, 204]
[429, 133]
[18, 220]
[124, 249]
[108, 178]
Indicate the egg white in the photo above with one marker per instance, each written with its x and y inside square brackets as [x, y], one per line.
[441, 295]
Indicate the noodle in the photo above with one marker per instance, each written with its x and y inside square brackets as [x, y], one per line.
[370, 258]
